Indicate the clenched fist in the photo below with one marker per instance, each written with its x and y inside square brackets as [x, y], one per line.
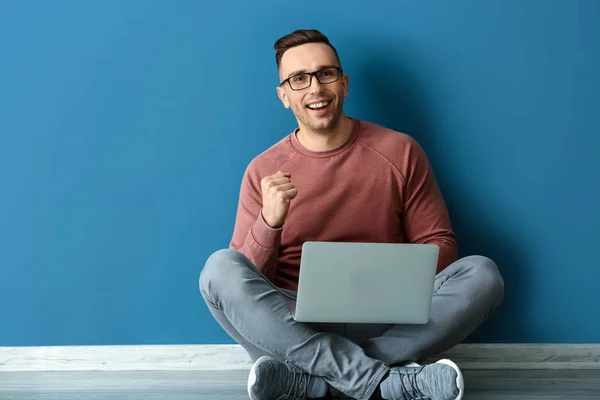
[277, 192]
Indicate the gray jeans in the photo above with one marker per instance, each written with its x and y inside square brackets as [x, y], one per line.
[352, 358]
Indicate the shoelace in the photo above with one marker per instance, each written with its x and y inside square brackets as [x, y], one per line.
[296, 389]
[412, 393]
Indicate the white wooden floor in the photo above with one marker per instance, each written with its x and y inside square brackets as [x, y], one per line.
[230, 385]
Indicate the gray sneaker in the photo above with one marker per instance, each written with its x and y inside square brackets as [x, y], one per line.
[270, 379]
[440, 381]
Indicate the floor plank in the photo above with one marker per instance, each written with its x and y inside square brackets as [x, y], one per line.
[230, 385]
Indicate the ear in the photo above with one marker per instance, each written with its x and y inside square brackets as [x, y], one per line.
[345, 84]
[283, 96]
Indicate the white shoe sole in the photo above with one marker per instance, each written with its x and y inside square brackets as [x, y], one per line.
[252, 376]
[460, 382]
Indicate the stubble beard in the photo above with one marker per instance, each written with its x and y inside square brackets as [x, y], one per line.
[319, 128]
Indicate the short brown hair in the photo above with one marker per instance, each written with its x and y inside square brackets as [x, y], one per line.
[300, 37]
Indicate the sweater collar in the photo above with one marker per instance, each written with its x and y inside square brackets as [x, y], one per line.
[327, 153]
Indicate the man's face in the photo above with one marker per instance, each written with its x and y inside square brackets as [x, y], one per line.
[312, 57]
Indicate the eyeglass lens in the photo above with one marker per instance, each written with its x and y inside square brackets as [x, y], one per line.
[324, 76]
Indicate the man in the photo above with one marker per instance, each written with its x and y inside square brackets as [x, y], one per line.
[336, 178]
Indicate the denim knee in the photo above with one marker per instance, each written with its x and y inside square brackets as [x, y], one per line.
[218, 266]
[489, 282]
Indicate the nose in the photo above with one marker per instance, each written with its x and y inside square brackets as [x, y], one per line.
[315, 85]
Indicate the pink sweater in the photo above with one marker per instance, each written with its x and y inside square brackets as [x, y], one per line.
[376, 187]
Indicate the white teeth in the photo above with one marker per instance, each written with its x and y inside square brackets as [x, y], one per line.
[318, 105]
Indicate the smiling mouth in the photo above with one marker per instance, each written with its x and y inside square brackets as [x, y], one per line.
[319, 106]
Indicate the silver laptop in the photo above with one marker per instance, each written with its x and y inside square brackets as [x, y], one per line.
[387, 283]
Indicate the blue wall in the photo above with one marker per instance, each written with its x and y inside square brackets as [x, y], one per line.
[125, 128]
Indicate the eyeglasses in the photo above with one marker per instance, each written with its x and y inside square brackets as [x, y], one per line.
[304, 80]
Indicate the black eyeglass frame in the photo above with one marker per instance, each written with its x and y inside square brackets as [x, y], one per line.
[340, 72]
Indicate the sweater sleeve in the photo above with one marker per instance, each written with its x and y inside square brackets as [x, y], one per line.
[425, 217]
[251, 235]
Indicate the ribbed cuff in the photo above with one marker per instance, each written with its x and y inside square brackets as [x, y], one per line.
[264, 235]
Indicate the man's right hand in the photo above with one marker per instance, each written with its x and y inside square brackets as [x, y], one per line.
[277, 192]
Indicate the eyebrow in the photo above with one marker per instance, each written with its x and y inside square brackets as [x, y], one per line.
[302, 71]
